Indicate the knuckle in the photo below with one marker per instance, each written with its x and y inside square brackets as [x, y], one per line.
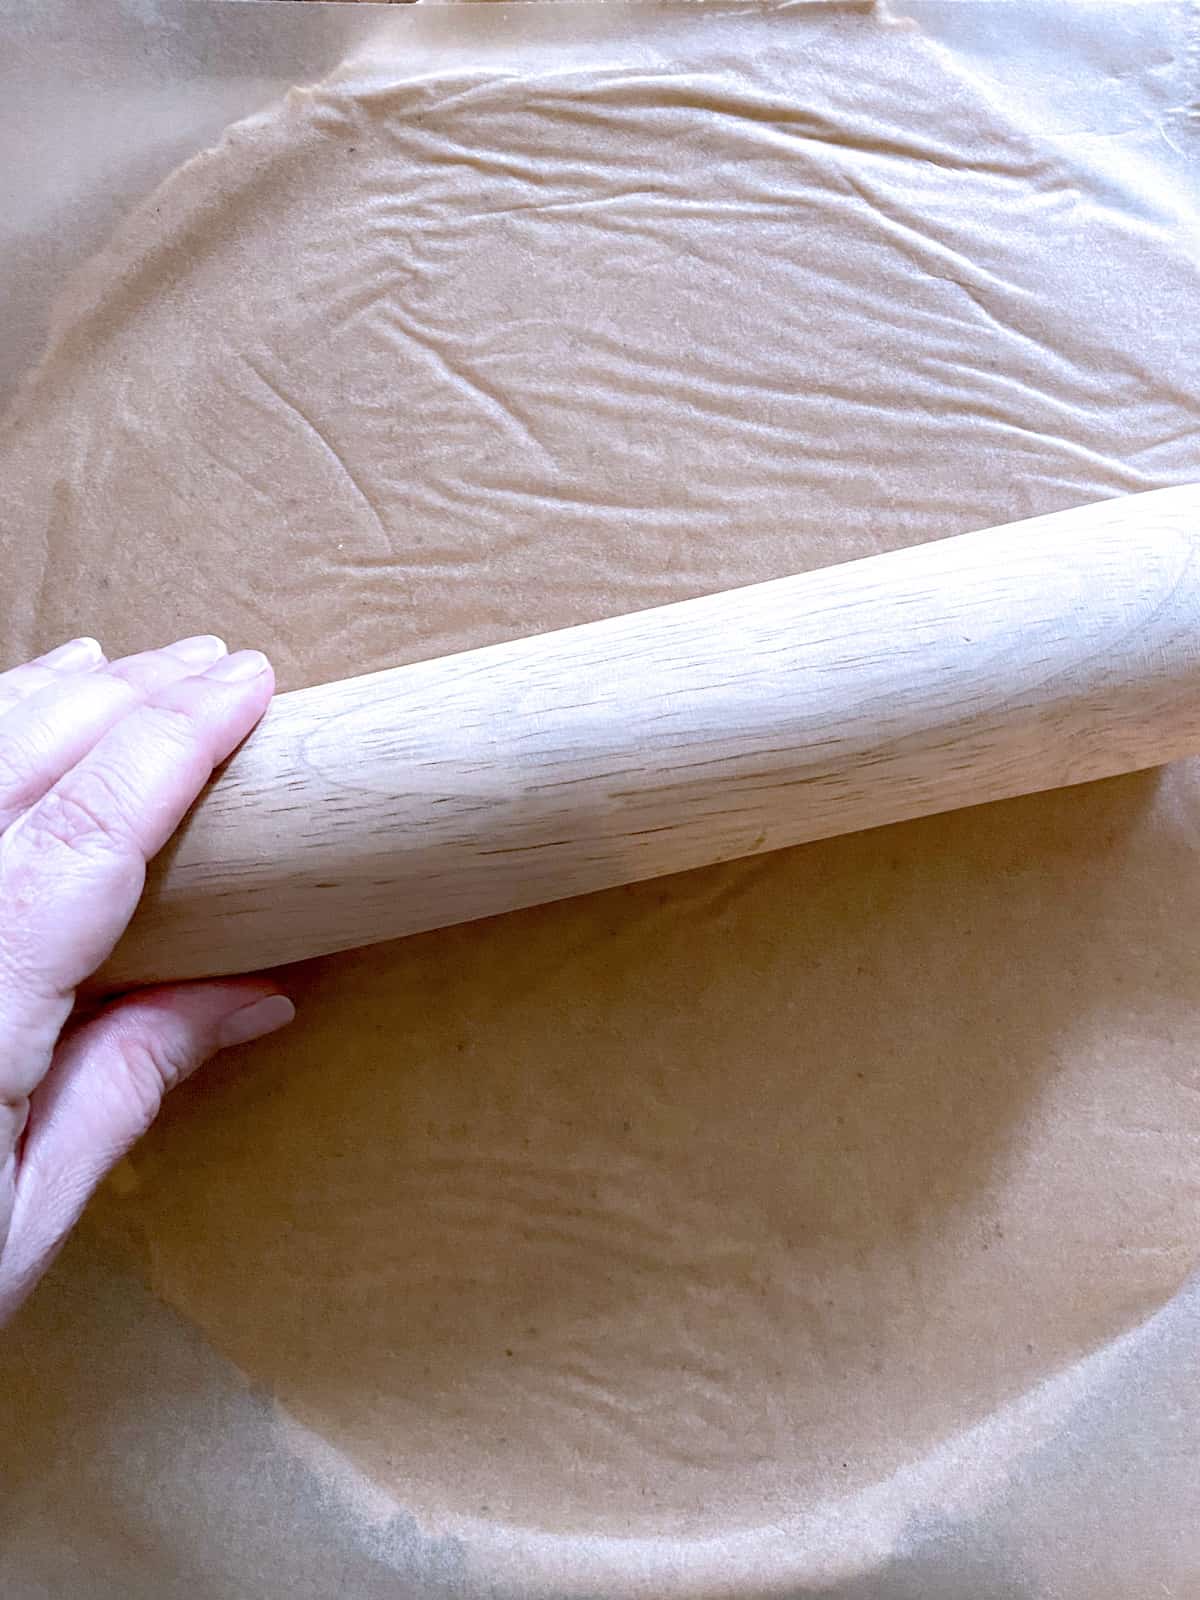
[16, 768]
[21, 682]
[87, 815]
[150, 1070]
[172, 727]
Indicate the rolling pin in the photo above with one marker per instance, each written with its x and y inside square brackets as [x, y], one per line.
[974, 668]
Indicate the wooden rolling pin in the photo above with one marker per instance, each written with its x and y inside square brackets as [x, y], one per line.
[993, 664]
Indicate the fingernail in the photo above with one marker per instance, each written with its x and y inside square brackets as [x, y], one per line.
[199, 651]
[238, 668]
[252, 1021]
[75, 655]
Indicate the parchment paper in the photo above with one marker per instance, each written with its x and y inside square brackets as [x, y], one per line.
[811, 1225]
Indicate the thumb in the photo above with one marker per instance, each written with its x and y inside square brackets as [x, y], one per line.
[104, 1089]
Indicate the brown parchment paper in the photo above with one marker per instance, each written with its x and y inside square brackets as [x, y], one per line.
[752, 1231]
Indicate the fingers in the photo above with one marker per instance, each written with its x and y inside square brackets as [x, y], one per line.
[73, 865]
[77, 655]
[53, 726]
[106, 1087]
[130, 793]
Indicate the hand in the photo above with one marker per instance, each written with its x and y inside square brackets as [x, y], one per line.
[98, 764]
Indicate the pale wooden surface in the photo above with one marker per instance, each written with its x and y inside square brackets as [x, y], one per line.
[1045, 653]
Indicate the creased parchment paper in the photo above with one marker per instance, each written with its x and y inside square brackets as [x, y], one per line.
[712, 1235]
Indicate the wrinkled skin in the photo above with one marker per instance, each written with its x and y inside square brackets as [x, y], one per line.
[99, 762]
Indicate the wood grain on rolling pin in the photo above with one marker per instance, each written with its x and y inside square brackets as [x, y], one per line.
[998, 663]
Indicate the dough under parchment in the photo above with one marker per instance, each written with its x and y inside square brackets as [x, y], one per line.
[694, 1206]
